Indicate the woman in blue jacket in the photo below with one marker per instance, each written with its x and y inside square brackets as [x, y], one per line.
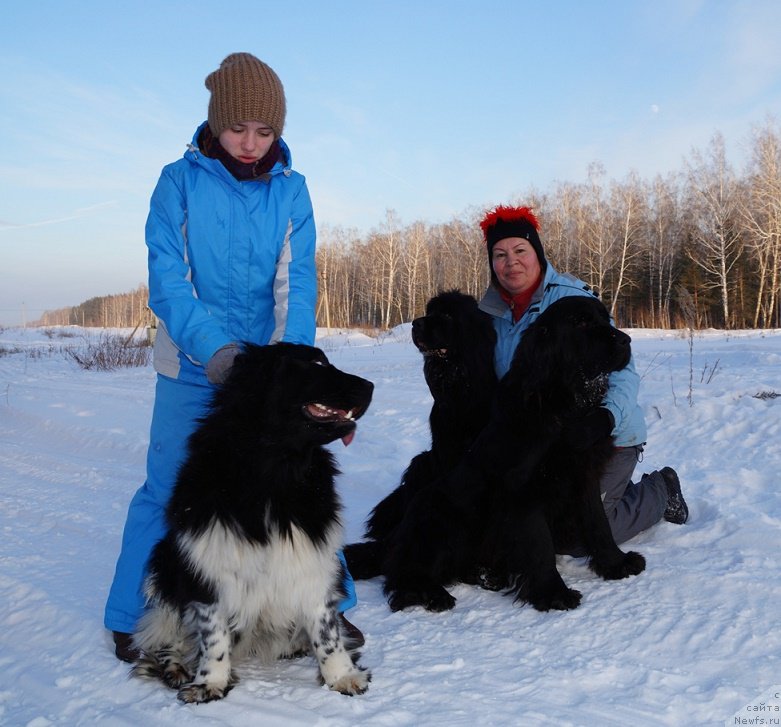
[523, 284]
[231, 240]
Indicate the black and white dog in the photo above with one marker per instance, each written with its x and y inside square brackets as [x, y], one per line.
[249, 566]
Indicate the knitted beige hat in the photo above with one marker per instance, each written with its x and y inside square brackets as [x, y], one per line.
[244, 88]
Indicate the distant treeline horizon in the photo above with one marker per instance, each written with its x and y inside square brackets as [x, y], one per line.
[698, 248]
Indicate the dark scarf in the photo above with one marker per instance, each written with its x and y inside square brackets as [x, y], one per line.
[211, 147]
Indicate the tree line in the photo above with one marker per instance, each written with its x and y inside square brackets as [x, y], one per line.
[700, 247]
[122, 310]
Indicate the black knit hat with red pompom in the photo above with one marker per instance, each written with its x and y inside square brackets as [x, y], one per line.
[502, 222]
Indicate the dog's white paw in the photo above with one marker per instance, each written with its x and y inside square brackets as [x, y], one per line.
[355, 682]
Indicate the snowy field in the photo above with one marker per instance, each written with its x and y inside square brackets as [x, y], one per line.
[691, 641]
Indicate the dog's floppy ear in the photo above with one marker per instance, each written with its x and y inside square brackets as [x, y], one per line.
[533, 355]
[484, 328]
[544, 353]
[254, 361]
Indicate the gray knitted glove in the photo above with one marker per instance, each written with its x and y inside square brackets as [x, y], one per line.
[219, 365]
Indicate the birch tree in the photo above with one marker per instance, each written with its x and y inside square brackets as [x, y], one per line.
[628, 203]
[663, 247]
[414, 269]
[713, 189]
[596, 240]
[761, 215]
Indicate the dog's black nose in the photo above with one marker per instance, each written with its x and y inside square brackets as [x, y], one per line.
[622, 339]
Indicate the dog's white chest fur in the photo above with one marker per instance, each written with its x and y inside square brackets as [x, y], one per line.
[282, 579]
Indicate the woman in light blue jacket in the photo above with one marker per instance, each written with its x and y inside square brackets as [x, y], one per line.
[523, 284]
[231, 240]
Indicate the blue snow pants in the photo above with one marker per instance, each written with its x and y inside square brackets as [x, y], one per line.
[177, 407]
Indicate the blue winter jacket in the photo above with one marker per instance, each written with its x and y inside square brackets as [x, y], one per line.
[228, 261]
[624, 385]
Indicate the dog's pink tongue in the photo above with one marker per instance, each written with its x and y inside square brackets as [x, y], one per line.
[347, 438]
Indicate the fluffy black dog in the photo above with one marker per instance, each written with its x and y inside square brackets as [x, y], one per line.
[524, 491]
[249, 565]
[457, 342]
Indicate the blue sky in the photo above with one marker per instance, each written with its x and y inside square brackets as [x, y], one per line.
[425, 107]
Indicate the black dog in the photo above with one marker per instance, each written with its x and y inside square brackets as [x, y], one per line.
[457, 342]
[249, 565]
[522, 492]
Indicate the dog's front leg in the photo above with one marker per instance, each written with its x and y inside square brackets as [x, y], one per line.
[213, 677]
[607, 560]
[337, 669]
[531, 560]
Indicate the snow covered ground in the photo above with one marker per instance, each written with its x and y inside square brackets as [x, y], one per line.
[690, 641]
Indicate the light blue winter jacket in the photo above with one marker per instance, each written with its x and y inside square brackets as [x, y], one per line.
[228, 261]
[624, 385]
